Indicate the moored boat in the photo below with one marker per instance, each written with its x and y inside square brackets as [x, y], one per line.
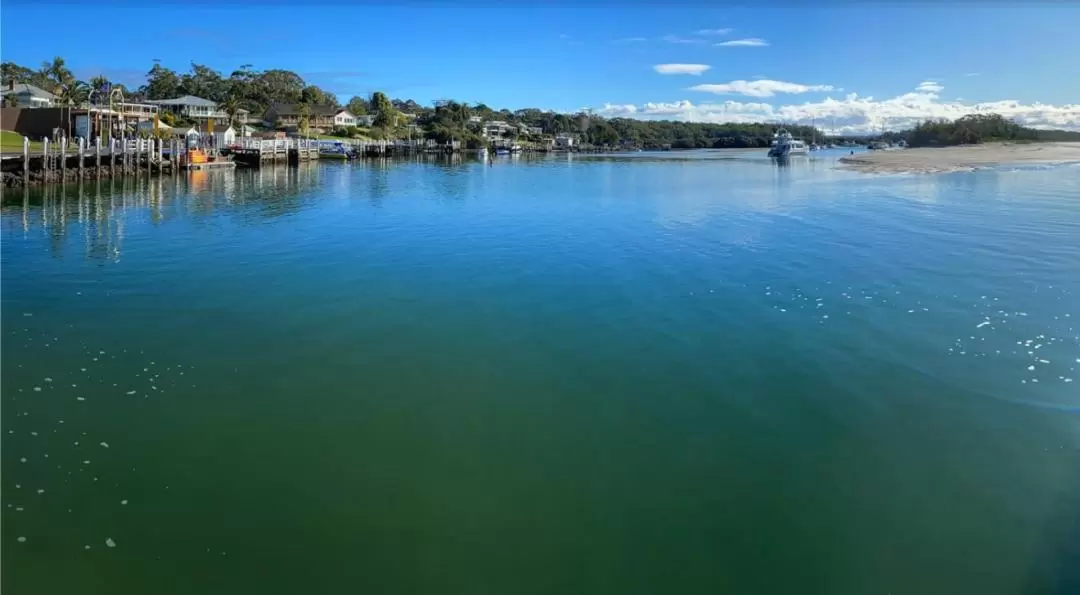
[785, 145]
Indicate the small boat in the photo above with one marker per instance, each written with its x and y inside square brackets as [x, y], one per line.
[481, 153]
[196, 159]
[502, 151]
[336, 151]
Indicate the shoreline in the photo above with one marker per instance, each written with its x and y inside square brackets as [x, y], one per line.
[932, 160]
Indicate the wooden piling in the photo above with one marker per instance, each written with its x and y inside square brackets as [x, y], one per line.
[97, 154]
[82, 146]
[25, 161]
[63, 157]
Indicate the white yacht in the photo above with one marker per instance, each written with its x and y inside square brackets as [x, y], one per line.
[784, 145]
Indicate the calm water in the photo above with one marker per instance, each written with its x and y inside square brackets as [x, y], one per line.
[677, 373]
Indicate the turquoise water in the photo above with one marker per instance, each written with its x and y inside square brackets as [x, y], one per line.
[657, 373]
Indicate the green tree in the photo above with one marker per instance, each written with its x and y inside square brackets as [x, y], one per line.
[231, 107]
[58, 73]
[161, 83]
[99, 86]
[357, 106]
[313, 95]
[305, 118]
[204, 82]
[385, 114]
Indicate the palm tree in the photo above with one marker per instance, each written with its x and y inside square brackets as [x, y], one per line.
[231, 106]
[75, 93]
[58, 72]
[99, 85]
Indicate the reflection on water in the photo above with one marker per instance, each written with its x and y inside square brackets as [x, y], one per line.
[99, 210]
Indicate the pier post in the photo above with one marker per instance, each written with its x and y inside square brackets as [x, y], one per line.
[25, 160]
[63, 157]
[160, 153]
[45, 157]
[82, 147]
[112, 157]
[97, 156]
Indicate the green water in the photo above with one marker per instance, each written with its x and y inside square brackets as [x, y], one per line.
[677, 373]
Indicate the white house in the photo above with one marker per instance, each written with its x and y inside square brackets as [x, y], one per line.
[564, 141]
[366, 120]
[344, 118]
[223, 135]
[496, 129]
[28, 95]
[196, 108]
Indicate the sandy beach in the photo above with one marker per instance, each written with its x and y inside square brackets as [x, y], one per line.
[969, 157]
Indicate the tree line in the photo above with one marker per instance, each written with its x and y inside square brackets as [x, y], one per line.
[979, 128]
[256, 90]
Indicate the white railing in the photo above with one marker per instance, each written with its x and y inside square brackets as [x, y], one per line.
[276, 145]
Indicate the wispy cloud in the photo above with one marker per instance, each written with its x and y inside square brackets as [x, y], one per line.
[563, 36]
[631, 39]
[750, 42]
[691, 69]
[759, 88]
[929, 87]
[683, 40]
[724, 31]
[972, 73]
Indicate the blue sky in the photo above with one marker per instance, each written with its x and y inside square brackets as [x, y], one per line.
[601, 54]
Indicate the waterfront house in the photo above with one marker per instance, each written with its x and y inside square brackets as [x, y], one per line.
[565, 141]
[344, 118]
[366, 120]
[496, 129]
[288, 116]
[525, 129]
[27, 95]
[196, 109]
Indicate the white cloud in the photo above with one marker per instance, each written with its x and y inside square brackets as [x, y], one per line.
[930, 87]
[759, 88]
[852, 114]
[677, 39]
[691, 69]
[630, 39]
[972, 73]
[752, 42]
[714, 31]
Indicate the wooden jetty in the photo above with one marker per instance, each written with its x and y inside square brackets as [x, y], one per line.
[254, 152]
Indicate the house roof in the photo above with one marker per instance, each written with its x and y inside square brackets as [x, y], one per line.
[185, 100]
[293, 109]
[19, 88]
